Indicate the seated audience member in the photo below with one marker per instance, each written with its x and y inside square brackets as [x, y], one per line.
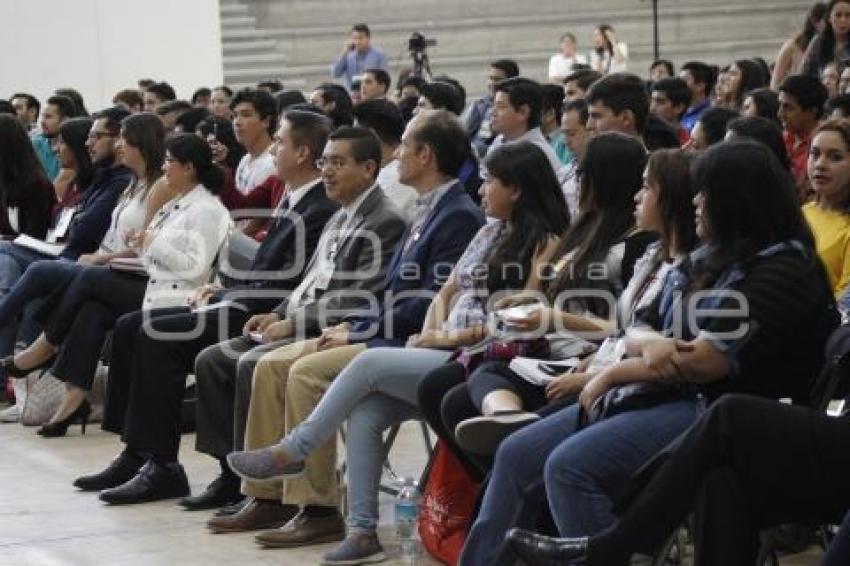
[431, 154]
[27, 109]
[478, 117]
[561, 63]
[169, 111]
[156, 94]
[617, 103]
[226, 149]
[762, 102]
[177, 248]
[762, 130]
[143, 84]
[661, 69]
[76, 98]
[577, 83]
[832, 44]
[700, 78]
[141, 150]
[828, 213]
[829, 77]
[579, 458]
[669, 100]
[711, 128]
[743, 76]
[6, 107]
[26, 193]
[286, 98]
[384, 119]
[658, 134]
[350, 165]
[608, 54]
[271, 86]
[790, 56]
[839, 107]
[443, 78]
[254, 122]
[801, 106]
[358, 55]
[550, 121]
[374, 84]
[410, 87]
[844, 81]
[131, 99]
[201, 97]
[574, 125]
[90, 219]
[149, 369]
[56, 110]
[725, 468]
[440, 95]
[75, 160]
[220, 102]
[607, 219]
[335, 102]
[379, 385]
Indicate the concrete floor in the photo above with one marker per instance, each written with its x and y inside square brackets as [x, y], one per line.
[46, 522]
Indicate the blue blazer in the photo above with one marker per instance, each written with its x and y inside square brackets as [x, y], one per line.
[423, 268]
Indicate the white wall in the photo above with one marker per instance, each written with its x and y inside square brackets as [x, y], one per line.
[102, 46]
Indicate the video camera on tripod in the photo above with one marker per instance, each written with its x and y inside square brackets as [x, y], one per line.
[418, 46]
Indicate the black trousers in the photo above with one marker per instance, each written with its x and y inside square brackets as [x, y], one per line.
[81, 320]
[152, 353]
[745, 465]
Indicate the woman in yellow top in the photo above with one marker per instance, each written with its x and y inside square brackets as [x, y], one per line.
[829, 213]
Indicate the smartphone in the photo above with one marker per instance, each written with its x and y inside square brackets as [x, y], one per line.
[256, 337]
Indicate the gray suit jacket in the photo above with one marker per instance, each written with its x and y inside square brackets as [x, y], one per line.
[359, 266]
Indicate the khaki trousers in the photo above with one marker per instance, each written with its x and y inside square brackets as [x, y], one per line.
[287, 385]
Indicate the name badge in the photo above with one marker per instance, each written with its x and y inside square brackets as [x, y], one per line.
[323, 277]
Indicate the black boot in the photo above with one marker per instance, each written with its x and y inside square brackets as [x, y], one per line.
[122, 469]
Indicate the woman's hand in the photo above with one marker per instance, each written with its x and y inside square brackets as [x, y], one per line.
[660, 356]
[334, 337]
[92, 259]
[594, 389]
[536, 319]
[202, 295]
[433, 339]
[566, 385]
[520, 298]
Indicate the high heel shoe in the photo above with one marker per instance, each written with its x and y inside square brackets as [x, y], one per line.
[59, 428]
[8, 365]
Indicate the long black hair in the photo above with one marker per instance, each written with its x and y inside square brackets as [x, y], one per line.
[826, 53]
[193, 149]
[670, 169]
[74, 133]
[749, 204]
[20, 169]
[752, 77]
[611, 173]
[539, 214]
[816, 13]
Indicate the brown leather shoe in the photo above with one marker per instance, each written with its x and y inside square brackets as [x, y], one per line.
[304, 531]
[257, 514]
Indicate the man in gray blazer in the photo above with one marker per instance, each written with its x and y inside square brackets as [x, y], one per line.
[347, 269]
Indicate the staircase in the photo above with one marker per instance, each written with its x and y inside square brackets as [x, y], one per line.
[296, 40]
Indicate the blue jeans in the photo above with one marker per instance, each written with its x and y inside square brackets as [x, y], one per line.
[576, 471]
[375, 391]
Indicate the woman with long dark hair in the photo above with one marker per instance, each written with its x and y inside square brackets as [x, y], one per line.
[528, 212]
[177, 251]
[832, 45]
[743, 76]
[608, 55]
[26, 196]
[790, 55]
[761, 102]
[75, 162]
[758, 254]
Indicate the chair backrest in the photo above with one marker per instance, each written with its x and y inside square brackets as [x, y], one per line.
[834, 379]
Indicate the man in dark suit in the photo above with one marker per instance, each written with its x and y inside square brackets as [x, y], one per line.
[147, 374]
[288, 382]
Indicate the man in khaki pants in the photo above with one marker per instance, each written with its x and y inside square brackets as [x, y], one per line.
[289, 382]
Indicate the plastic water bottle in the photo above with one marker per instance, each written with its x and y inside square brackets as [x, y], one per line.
[407, 520]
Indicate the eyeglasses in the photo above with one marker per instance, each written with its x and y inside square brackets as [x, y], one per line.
[331, 162]
[97, 136]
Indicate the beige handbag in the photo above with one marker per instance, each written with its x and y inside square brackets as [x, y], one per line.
[44, 395]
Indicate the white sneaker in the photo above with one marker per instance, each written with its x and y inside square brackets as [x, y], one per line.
[11, 414]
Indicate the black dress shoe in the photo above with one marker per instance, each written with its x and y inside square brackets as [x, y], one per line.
[224, 490]
[121, 470]
[233, 508]
[541, 550]
[153, 482]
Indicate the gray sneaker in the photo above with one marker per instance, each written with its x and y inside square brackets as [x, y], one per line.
[357, 548]
[263, 465]
[11, 414]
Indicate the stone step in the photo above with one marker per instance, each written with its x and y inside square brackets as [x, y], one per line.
[241, 21]
[248, 46]
[254, 60]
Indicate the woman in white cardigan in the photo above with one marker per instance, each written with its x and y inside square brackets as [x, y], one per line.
[178, 252]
